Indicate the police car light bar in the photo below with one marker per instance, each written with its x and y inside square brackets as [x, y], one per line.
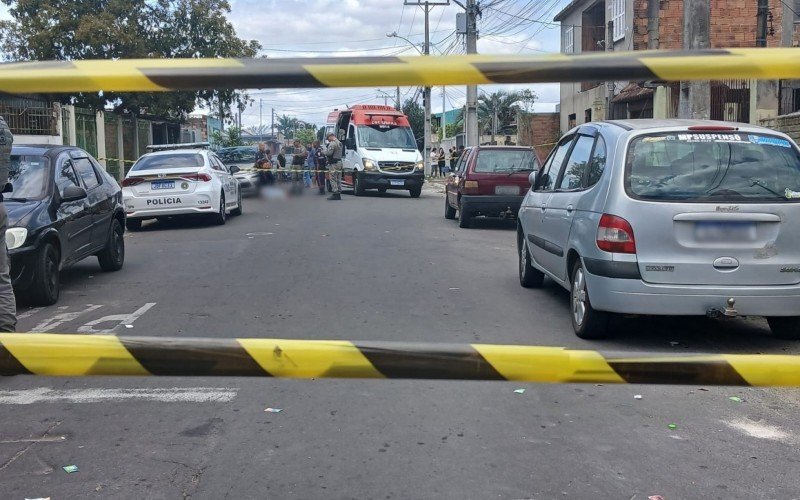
[188, 145]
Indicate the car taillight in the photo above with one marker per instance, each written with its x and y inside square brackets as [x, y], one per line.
[470, 185]
[197, 177]
[132, 181]
[615, 234]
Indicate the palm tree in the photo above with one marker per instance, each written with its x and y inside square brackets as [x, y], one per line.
[498, 111]
[286, 125]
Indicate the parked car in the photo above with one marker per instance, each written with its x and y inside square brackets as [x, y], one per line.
[171, 182]
[62, 208]
[243, 158]
[667, 217]
[489, 181]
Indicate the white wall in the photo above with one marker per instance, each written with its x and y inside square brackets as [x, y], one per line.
[37, 139]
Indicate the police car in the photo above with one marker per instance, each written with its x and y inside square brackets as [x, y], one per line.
[180, 179]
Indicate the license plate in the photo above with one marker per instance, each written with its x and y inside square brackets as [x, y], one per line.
[162, 185]
[725, 232]
[397, 182]
[507, 190]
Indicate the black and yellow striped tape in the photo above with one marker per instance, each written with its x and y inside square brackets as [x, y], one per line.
[82, 355]
[154, 75]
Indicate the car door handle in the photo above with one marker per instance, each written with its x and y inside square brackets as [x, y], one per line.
[570, 208]
[543, 208]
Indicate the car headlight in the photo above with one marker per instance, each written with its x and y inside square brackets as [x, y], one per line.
[369, 165]
[420, 166]
[15, 237]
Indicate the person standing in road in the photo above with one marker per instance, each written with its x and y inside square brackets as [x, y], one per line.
[309, 165]
[442, 162]
[320, 160]
[334, 153]
[298, 160]
[263, 165]
[453, 159]
[8, 304]
[434, 161]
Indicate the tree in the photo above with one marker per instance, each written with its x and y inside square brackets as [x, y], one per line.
[306, 136]
[498, 111]
[109, 29]
[416, 117]
[229, 138]
[286, 125]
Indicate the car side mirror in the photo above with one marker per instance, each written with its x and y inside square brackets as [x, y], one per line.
[350, 143]
[234, 169]
[73, 193]
[8, 188]
[532, 177]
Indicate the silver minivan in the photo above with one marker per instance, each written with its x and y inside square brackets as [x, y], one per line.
[667, 217]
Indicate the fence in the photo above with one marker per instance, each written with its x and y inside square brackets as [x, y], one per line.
[730, 100]
[30, 116]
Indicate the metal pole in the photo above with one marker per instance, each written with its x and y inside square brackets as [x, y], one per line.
[398, 99]
[609, 84]
[261, 118]
[427, 101]
[472, 133]
[444, 116]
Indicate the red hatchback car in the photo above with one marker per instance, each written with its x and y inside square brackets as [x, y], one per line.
[489, 181]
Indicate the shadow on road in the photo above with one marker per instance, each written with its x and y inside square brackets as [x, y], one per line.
[681, 334]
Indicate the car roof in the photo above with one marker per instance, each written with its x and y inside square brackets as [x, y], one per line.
[40, 149]
[498, 146]
[651, 123]
[176, 151]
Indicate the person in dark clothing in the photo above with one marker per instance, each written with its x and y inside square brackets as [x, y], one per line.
[264, 165]
[441, 161]
[320, 161]
[298, 160]
[453, 159]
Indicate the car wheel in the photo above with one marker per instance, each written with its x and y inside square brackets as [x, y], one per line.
[45, 287]
[785, 327]
[415, 192]
[449, 212]
[133, 224]
[112, 256]
[238, 209]
[464, 217]
[587, 323]
[529, 276]
[222, 216]
[358, 186]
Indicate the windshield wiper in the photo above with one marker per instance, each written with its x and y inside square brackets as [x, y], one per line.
[757, 182]
[518, 171]
[16, 199]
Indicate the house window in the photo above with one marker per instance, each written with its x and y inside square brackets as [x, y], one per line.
[587, 115]
[569, 40]
[618, 16]
[571, 120]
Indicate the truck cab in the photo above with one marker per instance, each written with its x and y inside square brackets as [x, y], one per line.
[379, 149]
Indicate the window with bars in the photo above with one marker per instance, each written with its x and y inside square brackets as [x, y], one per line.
[618, 17]
[568, 43]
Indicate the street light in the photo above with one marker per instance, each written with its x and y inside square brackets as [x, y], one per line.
[426, 99]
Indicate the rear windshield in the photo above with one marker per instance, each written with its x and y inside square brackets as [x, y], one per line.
[505, 161]
[28, 176]
[713, 168]
[234, 155]
[177, 160]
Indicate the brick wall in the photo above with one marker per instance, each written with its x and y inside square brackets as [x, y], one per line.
[733, 24]
[540, 130]
[788, 124]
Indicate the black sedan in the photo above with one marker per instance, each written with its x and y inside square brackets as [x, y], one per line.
[62, 207]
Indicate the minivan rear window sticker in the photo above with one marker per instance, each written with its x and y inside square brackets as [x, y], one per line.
[769, 141]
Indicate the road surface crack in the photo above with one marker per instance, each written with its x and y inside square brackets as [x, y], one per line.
[25, 450]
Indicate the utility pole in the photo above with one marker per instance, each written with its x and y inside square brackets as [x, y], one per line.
[399, 106]
[261, 118]
[471, 129]
[444, 117]
[426, 93]
[695, 96]
[610, 83]
[272, 127]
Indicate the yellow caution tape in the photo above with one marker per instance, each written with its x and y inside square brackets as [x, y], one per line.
[162, 75]
[79, 355]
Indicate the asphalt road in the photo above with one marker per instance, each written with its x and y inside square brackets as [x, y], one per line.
[383, 267]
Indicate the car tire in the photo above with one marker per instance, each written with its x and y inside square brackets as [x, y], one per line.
[464, 218]
[785, 327]
[588, 323]
[133, 224]
[46, 281]
[112, 257]
[221, 217]
[358, 186]
[529, 276]
[449, 212]
[415, 192]
[238, 209]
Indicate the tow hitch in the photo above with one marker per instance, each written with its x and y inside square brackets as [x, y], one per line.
[728, 312]
[507, 214]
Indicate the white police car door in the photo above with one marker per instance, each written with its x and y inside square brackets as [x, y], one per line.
[229, 183]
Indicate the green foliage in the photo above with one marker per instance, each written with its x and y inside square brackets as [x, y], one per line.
[505, 105]
[108, 29]
[229, 138]
[306, 136]
[416, 117]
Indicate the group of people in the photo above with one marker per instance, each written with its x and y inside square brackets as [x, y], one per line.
[312, 165]
[442, 163]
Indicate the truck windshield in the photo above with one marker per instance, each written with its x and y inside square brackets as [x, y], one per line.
[371, 136]
[713, 167]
